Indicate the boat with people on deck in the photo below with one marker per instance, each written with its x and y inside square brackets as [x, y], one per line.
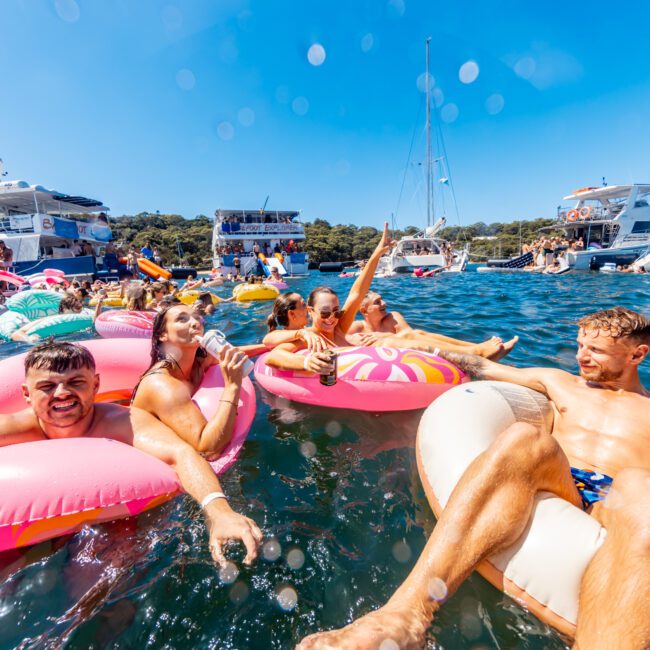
[245, 240]
[426, 250]
[47, 229]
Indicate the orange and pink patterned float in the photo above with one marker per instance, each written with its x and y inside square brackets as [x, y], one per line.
[368, 379]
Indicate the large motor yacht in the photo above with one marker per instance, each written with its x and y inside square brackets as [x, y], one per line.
[246, 234]
[613, 222]
[41, 227]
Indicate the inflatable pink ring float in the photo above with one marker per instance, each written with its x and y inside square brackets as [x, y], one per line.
[123, 324]
[368, 379]
[53, 487]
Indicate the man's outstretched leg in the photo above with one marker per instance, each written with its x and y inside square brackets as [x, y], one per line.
[487, 512]
[615, 591]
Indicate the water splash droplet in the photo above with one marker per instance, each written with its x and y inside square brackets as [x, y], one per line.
[468, 72]
[226, 131]
[316, 54]
[271, 550]
[67, 10]
[449, 113]
[287, 598]
[228, 573]
[494, 104]
[437, 589]
[308, 449]
[246, 116]
[295, 559]
[185, 79]
[367, 42]
[300, 106]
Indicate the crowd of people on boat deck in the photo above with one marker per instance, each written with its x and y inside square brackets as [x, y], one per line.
[283, 248]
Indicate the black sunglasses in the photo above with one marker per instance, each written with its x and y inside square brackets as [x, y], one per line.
[326, 313]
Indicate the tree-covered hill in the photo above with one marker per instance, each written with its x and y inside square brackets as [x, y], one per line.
[172, 235]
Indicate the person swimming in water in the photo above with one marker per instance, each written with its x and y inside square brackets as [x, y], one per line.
[381, 327]
[600, 442]
[60, 388]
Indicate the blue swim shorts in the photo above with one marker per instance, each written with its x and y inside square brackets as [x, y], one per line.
[593, 486]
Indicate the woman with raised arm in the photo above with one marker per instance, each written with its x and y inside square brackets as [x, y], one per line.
[329, 322]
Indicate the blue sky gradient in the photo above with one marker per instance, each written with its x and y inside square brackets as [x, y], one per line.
[189, 106]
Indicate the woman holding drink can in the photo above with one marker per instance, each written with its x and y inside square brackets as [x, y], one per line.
[330, 323]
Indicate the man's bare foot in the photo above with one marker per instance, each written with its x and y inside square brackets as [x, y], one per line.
[506, 348]
[385, 629]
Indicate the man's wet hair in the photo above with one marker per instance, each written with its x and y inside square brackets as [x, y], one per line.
[57, 356]
[618, 323]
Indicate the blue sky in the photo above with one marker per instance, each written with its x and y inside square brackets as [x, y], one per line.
[189, 106]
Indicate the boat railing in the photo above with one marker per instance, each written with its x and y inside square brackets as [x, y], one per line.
[17, 223]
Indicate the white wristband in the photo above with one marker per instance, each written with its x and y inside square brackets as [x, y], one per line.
[436, 352]
[209, 498]
[306, 361]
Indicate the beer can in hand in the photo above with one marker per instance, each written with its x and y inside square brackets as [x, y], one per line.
[330, 378]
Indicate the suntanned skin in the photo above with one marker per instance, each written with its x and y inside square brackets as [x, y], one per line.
[601, 423]
[332, 329]
[381, 327]
[61, 405]
[167, 393]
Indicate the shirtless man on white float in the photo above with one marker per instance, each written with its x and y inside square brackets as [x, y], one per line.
[602, 427]
[60, 388]
[391, 329]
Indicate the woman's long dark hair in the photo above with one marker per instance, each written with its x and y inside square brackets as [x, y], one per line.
[322, 289]
[283, 304]
[158, 358]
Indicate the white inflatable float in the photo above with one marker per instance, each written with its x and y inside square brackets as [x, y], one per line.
[543, 570]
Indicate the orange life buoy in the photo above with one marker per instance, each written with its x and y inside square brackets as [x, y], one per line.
[572, 215]
[585, 211]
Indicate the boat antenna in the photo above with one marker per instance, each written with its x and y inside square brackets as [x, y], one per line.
[2, 168]
[428, 128]
[265, 202]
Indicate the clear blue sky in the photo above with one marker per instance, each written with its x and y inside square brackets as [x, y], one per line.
[189, 106]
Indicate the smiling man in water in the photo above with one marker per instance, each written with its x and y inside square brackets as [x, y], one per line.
[60, 388]
[600, 439]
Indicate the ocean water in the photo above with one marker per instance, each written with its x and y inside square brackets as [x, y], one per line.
[336, 493]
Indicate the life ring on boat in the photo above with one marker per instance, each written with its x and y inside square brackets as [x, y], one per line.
[572, 215]
[248, 292]
[368, 379]
[544, 568]
[53, 487]
[35, 303]
[123, 324]
[585, 211]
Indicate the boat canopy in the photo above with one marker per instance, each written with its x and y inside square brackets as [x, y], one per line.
[21, 197]
[606, 192]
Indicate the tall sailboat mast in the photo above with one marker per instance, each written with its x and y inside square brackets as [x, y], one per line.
[428, 128]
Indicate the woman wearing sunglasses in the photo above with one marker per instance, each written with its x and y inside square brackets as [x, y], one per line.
[330, 323]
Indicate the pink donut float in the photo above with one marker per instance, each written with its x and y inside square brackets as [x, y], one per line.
[48, 489]
[369, 379]
[122, 324]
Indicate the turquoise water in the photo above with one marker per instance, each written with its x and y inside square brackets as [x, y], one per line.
[336, 493]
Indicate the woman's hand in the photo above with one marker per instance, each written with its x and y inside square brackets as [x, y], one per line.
[368, 339]
[314, 341]
[385, 243]
[319, 363]
[225, 525]
[232, 361]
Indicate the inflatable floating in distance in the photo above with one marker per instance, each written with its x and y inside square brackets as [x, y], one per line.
[191, 296]
[122, 324]
[544, 568]
[10, 321]
[36, 303]
[11, 278]
[84, 481]
[278, 284]
[250, 292]
[368, 379]
[153, 270]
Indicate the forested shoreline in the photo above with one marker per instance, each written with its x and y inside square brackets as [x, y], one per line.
[188, 241]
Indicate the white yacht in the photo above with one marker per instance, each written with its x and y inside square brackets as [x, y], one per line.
[424, 250]
[41, 227]
[613, 222]
[277, 235]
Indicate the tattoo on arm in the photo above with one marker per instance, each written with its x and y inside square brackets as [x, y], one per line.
[470, 364]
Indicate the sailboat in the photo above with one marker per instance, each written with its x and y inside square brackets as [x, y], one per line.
[424, 250]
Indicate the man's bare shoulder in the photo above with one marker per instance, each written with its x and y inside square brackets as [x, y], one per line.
[18, 427]
[112, 421]
[357, 327]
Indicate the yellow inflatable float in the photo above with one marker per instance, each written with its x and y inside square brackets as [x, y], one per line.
[248, 292]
